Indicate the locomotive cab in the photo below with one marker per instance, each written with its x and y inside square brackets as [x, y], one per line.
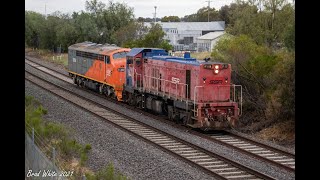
[215, 99]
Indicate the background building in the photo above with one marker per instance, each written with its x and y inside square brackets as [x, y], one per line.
[208, 41]
[183, 35]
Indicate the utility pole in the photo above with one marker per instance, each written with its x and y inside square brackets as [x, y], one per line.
[155, 14]
[45, 10]
[208, 8]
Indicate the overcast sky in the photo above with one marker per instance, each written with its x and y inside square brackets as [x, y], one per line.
[142, 8]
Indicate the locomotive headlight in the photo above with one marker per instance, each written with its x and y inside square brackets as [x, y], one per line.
[207, 66]
[216, 71]
[216, 67]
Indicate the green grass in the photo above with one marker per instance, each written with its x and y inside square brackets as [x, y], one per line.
[53, 134]
[49, 56]
[107, 173]
[67, 148]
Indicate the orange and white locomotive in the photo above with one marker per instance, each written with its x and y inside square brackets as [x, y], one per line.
[100, 67]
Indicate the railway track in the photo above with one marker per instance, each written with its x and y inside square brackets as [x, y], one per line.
[247, 146]
[198, 157]
[267, 153]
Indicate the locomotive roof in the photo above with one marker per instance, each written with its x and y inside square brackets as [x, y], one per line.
[182, 60]
[94, 47]
[151, 51]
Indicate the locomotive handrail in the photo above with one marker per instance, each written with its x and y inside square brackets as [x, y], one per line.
[234, 96]
[169, 95]
[240, 113]
[194, 101]
[136, 78]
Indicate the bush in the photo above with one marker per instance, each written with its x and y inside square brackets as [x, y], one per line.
[54, 134]
[107, 173]
[267, 78]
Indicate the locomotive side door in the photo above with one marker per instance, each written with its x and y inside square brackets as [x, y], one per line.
[108, 68]
[129, 70]
[137, 71]
[188, 80]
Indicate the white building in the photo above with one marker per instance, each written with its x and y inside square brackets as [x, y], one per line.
[208, 41]
[183, 35]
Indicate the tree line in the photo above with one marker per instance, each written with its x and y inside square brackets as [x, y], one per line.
[112, 23]
[260, 45]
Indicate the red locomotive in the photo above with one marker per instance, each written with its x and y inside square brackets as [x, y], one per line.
[197, 93]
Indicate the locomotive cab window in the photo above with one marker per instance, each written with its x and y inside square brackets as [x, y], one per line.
[119, 55]
[129, 60]
[107, 59]
[138, 61]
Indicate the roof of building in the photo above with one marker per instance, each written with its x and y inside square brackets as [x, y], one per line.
[200, 26]
[212, 35]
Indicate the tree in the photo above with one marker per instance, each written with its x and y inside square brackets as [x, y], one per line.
[224, 14]
[141, 19]
[170, 19]
[263, 26]
[66, 34]
[153, 39]
[86, 27]
[130, 32]
[202, 15]
[273, 6]
[34, 28]
[267, 78]
[289, 39]
[95, 7]
[98, 25]
[108, 18]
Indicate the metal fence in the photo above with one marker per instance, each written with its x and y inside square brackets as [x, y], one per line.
[37, 164]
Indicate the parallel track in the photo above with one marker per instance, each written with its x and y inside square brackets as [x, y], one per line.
[258, 150]
[198, 157]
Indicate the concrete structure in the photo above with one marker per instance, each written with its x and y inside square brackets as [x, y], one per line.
[182, 35]
[208, 41]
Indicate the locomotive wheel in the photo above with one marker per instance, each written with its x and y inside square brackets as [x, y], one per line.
[109, 92]
[101, 89]
[185, 120]
[75, 80]
[170, 112]
[176, 118]
[132, 100]
[81, 83]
